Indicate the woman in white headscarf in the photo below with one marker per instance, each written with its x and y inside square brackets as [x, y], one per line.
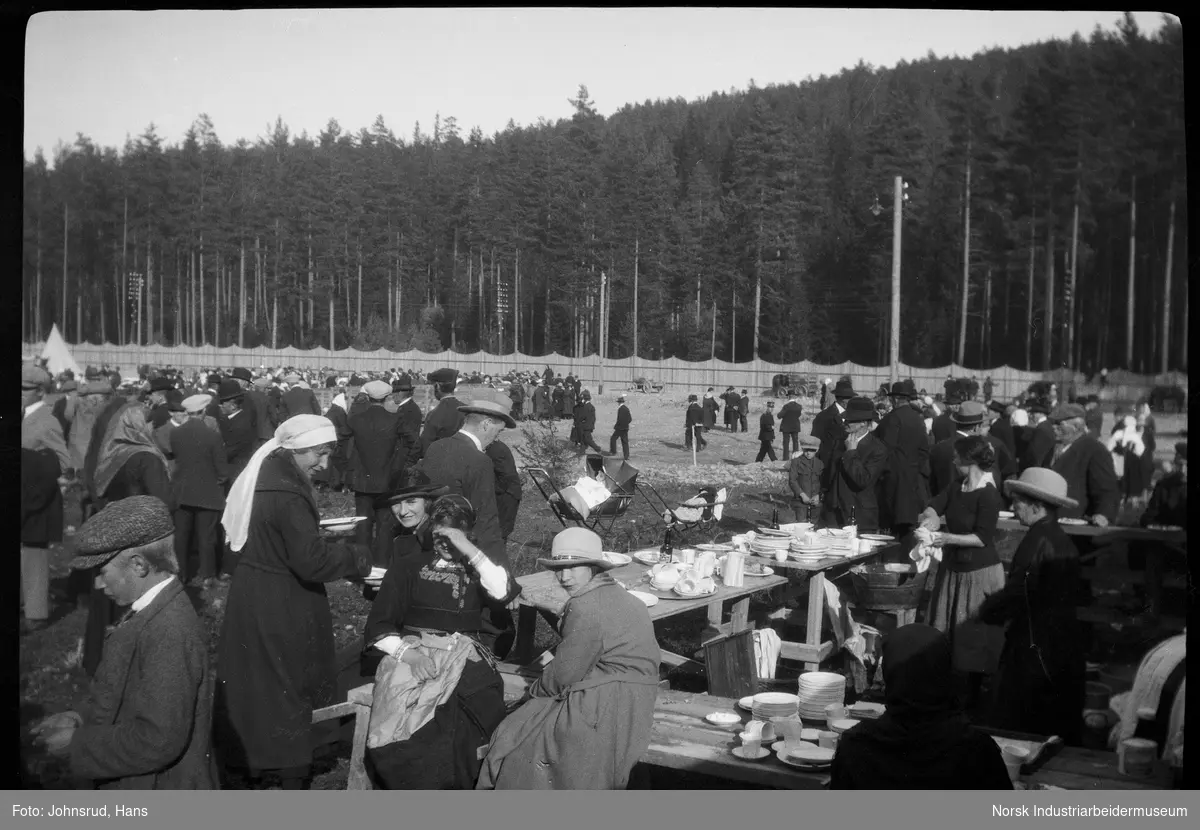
[275, 662]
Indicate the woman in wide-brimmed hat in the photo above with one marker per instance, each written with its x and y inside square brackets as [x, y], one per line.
[589, 717]
[438, 696]
[409, 532]
[1040, 686]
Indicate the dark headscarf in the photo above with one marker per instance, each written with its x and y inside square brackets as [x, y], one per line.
[923, 740]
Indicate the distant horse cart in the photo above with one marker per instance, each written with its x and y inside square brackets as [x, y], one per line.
[646, 385]
[783, 386]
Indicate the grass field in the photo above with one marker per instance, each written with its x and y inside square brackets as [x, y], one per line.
[50, 679]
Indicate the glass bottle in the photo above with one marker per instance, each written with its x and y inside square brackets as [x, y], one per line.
[775, 518]
[664, 552]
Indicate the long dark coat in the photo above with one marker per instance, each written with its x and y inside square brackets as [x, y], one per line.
[200, 466]
[711, 407]
[41, 500]
[508, 485]
[828, 428]
[147, 723]
[591, 713]
[904, 486]
[943, 427]
[789, 417]
[257, 401]
[376, 434]
[275, 662]
[297, 401]
[240, 434]
[1039, 450]
[409, 413]
[1091, 480]
[456, 463]
[443, 421]
[853, 491]
[1040, 686]
[1002, 429]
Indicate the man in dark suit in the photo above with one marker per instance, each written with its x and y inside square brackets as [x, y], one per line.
[201, 473]
[444, 419]
[376, 435]
[621, 429]
[968, 420]
[827, 427]
[256, 400]
[299, 399]
[409, 414]
[1039, 445]
[852, 498]
[743, 409]
[731, 399]
[1094, 417]
[692, 424]
[156, 401]
[238, 430]
[148, 721]
[943, 425]
[789, 425]
[585, 421]
[1002, 427]
[905, 481]
[508, 485]
[766, 433]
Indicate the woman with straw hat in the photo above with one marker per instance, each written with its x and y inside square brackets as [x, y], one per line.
[275, 662]
[1040, 686]
[589, 717]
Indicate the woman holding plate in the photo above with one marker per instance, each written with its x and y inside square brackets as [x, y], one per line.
[589, 717]
[438, 696]
[275, 661]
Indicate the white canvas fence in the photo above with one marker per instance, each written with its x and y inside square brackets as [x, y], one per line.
[612, 373]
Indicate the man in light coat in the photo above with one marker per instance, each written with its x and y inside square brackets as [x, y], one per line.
[147, 722]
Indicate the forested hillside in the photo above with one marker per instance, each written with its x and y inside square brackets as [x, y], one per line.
[1070, 156]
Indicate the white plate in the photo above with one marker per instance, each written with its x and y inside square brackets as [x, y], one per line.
[776, 698]
[646, 557]
[649, 599]
[842, 724]
[877, 537]
[695, 595]
[618, 558]
[812, 755]
[1071, 522]
[740, 752]
[770, 531]
[866, 710]
[722, 718]
[746, 703]
[798, 764]
[346, 520]
[766, 571]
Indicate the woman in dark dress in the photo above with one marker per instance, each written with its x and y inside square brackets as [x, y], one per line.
[1040, 687]
[970, 568]
[408, 530]
[438, 696]
[922, 741]
[275, 661]
[128, 463]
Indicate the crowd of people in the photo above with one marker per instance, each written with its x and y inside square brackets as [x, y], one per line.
[190, 482]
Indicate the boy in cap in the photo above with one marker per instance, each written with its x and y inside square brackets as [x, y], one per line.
[147, 724]
[445, 419]
[804, 480]
[621, 429]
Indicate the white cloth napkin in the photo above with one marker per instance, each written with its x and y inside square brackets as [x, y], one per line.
[925, 551]
[593, 492]
[766, 652]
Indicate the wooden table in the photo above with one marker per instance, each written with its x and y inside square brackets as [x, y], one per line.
[813, 651]
[541, 594]
[1105, 534]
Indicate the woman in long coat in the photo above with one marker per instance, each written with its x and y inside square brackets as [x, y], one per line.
[1040, 686]
[128, 463]
[589, 717]
[711, 408]
[275, 661]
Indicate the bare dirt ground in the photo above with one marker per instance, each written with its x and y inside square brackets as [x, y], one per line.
[50, 679]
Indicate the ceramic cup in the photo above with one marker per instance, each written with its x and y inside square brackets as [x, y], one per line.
[827, 740]
[781, 555]
[1136, 757]
[834, 711]
[688, 585]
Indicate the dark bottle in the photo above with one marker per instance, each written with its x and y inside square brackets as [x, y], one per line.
[664, 552]
[775, 518]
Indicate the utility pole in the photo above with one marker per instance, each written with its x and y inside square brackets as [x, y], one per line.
[897, 212]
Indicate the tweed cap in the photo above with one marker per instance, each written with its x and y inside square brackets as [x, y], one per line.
[809, 442]
[124, 524]
[196, 403]
[377, 390]
[1066, 412]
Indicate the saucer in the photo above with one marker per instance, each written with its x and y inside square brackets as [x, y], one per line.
[740, 752]
[746, 703]
[722, 718]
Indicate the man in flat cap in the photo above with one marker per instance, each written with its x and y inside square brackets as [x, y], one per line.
[377, 439]
[201, 474]
[147, 721]
[41, 436]
[444, 420]
[1087, 466]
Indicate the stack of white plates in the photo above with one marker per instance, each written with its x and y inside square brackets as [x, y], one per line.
[765, 546]
[809, 554]
[768, 705]
[819, 689]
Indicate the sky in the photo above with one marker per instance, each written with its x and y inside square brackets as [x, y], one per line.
[109, 74]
